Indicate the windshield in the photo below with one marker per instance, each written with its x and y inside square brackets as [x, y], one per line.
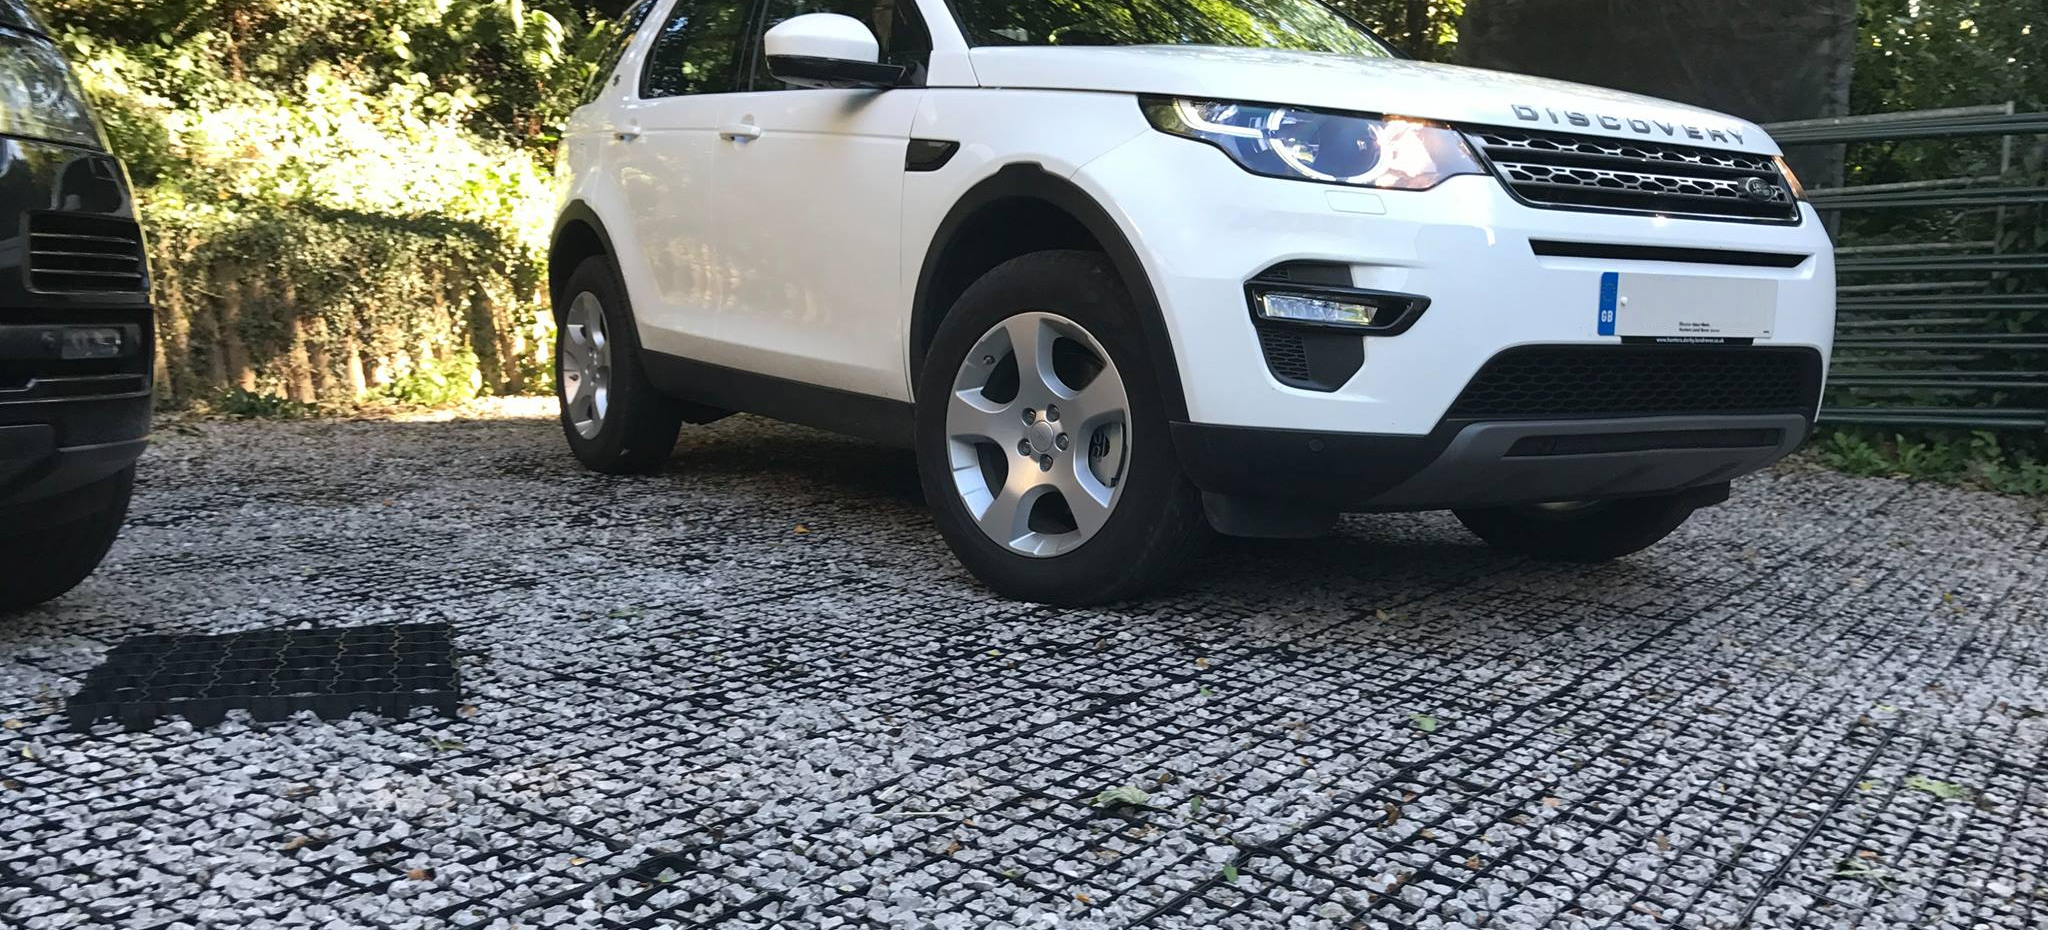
[1304, 25]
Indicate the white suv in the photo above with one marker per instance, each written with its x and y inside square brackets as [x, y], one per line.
[1126, 273]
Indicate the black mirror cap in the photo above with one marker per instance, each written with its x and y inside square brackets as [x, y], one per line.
[808, 71]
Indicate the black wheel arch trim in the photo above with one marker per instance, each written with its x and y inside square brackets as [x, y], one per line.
[576, 212]
[1030, 181]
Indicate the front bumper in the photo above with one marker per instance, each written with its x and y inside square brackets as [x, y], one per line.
[1387, 437]
[67, 419]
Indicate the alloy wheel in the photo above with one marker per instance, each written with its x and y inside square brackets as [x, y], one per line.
[1038, 434]
[586, 362]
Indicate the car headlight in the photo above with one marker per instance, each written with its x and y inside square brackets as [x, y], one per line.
[38, 97]
[1390, 153]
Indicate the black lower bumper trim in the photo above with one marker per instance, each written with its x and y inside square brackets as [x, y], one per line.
[1467, 463]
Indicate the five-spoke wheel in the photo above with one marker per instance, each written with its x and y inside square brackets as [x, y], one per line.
[1042, 437]
[1037, 430]
[586, 365]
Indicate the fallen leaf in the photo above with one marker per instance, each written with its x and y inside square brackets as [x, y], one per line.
[1084, 899]
[953, 847]
[1393, 814]
[441, 744]
[1663, 843]
[13, 724]
[1946, 791]
[1423, 722]
[802, 529]
[1474, 863]
[28, 752]
[1866, 854]
[1194, 807]
[1382, 616]
[420, 875]
[1121, 795]
[1553, 803]
[467, 710]
[1230, 874]
[1643, 907]
[10, 784]
[1202, 663]
[577, 860]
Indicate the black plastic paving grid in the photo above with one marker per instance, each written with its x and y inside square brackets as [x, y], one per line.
[391, 669]
[1681, 707]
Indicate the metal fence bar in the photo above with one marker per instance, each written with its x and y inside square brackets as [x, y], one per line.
[1849, 199]
[2000, 120]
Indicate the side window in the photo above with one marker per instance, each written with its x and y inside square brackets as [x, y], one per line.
[896, 24]
[697, 49]
[623, 30]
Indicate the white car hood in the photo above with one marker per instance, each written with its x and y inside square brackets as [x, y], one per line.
[1466, 96]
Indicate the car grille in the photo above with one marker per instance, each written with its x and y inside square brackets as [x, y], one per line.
[1583, 173]
[1640, 381]
[73, 254]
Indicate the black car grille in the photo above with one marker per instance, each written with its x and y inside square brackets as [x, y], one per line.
[70, 253]
[1586, 173]
[1630, 381]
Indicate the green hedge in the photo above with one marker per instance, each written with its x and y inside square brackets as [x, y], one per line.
[320, 305]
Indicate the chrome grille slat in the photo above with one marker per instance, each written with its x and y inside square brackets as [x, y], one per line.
[73, 253]
[1566, 172]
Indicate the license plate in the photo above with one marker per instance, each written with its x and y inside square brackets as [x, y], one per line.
[1665, 306]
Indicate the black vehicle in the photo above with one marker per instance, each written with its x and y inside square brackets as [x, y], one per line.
[76, 328]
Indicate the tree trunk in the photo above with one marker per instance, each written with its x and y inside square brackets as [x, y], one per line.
[1763, 60]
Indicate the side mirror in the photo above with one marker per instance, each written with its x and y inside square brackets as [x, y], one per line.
[828, 50]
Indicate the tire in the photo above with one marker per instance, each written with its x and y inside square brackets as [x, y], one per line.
[1595, 532]
[597, 350]
[44, 563]
[1152, 524]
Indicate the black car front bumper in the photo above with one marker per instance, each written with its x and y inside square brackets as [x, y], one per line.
[77, 333]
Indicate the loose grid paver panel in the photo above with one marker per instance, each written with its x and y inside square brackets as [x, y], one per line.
[763, 670]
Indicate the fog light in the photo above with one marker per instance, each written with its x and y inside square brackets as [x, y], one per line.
[1306, 308]
[1371, 313]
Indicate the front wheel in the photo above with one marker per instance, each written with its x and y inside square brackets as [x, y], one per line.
[615, 421]
[1590, 531]
[1042, 439]
[44, 563]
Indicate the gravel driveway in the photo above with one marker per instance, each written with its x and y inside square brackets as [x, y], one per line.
[756, 691]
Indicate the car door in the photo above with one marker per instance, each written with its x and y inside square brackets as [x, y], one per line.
[662, 147]
[812, 182]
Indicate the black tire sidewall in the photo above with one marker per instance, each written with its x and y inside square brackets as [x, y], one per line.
[1611, 530]
[1158, 513]
[640, 425]
[44, 563]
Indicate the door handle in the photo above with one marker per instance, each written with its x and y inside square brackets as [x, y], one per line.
[626, 136]
[739, 132]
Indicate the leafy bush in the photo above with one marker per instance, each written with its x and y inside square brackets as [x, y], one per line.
[437, 383]
[2011, 464]
[341, 198]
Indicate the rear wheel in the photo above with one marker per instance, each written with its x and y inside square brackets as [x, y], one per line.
[1589, 531]
[1042, 440]
[46, 562]
[615, 421]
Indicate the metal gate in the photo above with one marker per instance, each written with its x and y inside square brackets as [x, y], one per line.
[1948, 330]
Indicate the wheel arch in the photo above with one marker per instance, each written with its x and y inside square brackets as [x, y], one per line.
[1020, 209]
[579, 234]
